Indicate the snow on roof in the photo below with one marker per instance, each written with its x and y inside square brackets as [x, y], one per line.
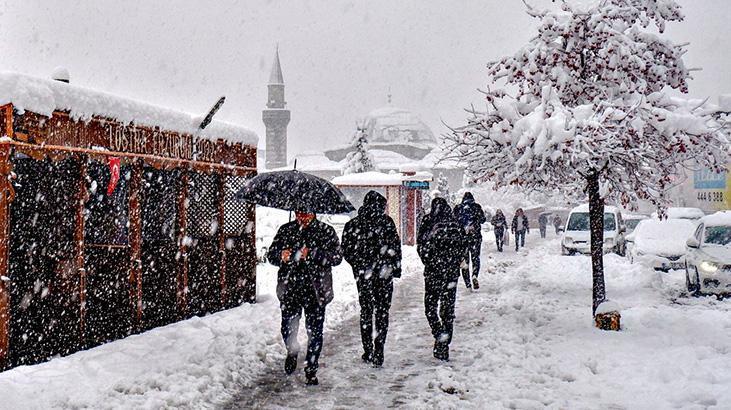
[314, 161]
[585, 208]
[379, 179]
[367, 179]
[682, 213]
[43, 96]
[720, 218]
[391, 124]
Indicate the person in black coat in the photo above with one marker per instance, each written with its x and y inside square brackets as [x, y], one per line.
[519, 228]
[441, 246]
[499, 225]
[371, 245]
[542, 224]
[305, 251]
[471, 216]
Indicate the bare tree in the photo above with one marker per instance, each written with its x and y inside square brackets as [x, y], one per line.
[584, 109]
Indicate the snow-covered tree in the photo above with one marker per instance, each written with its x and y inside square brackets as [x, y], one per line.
[442, 189]
[359, 160]
[584, 108]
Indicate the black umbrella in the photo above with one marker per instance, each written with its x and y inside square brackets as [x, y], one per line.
[295, 191]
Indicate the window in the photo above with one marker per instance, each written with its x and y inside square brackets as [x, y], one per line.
[579, 221]
[718, 235]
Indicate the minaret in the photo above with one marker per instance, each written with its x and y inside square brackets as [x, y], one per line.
[276, 118]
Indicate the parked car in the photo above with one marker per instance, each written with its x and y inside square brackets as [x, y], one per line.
[660, 244]
[576, 234]
[708, 257]
[632, 220]
[682, 213]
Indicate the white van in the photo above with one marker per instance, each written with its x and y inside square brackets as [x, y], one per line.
[576, 234]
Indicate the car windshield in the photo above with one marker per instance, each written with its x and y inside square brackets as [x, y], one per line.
[579, 221]
[718, 235]
[632, 223]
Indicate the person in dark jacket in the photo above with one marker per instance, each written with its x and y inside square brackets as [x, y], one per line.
[471, 216]
[542, 224]
[499, 225]
[371, 245]
[520, 228]
[557, 223]
[441, 246]
[305, 251]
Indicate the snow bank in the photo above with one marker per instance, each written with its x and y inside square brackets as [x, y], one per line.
[44, 96]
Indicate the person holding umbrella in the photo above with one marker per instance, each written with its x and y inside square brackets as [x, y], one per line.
[371, 245]
[305, 250]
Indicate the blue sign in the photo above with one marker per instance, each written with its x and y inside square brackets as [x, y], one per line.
[708, 179]
[416, 184]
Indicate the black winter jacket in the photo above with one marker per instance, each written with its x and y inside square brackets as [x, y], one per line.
[371, 244]
[441, 241]
[470, 215]
[311, 278]
[514, 226]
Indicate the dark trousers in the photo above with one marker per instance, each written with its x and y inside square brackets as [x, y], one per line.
[543, 231]
[499, 238]
[474, 245]
[519, 239]
[440, 297]
[374, 296]
[314, 319]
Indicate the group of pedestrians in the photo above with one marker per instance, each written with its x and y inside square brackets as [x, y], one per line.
[306, 249]
[519, 228]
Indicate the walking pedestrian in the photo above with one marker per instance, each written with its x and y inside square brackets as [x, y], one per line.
[441, 247]
[520, 228]
[471, 216]
[542, 224]
[305, 251]
[499, 226]
[371, 245]
[557, 223]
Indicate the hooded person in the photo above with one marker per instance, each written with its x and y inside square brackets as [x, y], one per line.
[499, 225]
[471, 216]
[441, 246]
[305, 250]
[371, 245]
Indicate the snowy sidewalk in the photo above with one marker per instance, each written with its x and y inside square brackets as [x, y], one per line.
[525, 340]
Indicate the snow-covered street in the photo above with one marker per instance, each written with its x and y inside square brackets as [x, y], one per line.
[524, 340]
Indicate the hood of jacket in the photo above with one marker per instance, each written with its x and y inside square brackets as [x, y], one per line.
[373, 204]
[468, 198]
[440, 209]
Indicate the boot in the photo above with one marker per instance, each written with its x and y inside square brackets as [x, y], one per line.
[377, 358]
[367, 357]
[311, 379]
[290, 363]
[475, 283]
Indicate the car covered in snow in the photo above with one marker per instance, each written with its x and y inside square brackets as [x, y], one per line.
[708, 257]
[660, 244]
[632, 220]
[682, 213]
[576, 234]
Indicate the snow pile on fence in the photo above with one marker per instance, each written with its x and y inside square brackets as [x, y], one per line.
[44, 96]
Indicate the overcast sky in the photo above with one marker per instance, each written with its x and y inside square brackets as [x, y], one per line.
[338, 60]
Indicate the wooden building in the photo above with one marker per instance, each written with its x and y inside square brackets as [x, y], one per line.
[115, 217]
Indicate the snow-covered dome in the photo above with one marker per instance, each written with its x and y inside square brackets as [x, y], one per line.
[397, 125]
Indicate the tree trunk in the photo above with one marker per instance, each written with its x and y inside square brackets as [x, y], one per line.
[596, 228]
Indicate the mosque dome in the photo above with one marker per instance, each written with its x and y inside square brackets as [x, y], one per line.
[391, 125]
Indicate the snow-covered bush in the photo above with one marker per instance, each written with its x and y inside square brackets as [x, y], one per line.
[584, 110]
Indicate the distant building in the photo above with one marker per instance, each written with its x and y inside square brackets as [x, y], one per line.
[276, 118]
